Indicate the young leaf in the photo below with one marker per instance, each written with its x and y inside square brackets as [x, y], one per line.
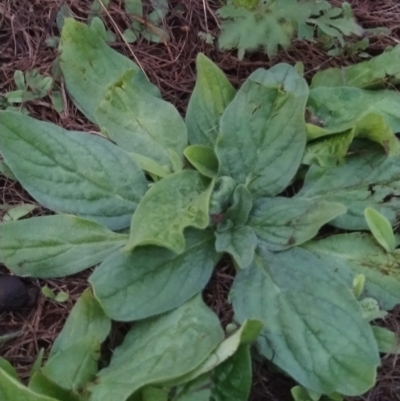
[239, 242]
[57, 101]
[90, 66]
[265, 120]
[368, 179]
[127, 114]
[281, 289]
[12, 390]
[358, 285]
[245, 335]
[178, 201]
[55, 246]
[281, 223]
[372, 310]
[347, 255]
[87, 320]
[203, 159]
[159, 350]
[381, 229]
[380, 70]
[387, 340]
[134, 7]
[144, 282]
[129, 36]
[72, 172]
[211, 95]
[19, 79]
[17, 212]
[61, 297]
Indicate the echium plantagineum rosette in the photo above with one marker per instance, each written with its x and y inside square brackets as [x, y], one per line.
[192, 191]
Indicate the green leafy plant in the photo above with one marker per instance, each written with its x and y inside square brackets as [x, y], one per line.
[218, 183]
[248, 25]
[31, 85]
[148, 26]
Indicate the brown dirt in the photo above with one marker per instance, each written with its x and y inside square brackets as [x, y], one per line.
[24, 27]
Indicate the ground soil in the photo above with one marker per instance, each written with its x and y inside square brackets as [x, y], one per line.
[24, 27]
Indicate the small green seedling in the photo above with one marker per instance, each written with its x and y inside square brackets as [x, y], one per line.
[60, 297]
[381, 229]
[30, 86]
[147, 26]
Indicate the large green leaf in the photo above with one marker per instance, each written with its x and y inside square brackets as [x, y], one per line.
[86, 320]
[172, 204]
[314, 328]
[281, 223]
[339, 109]
[90, 66]
[348, 255]
[211, 95]
[160, 349]
[144, 283]
[263, 134]
[232, 380]
[141, 123]
[376, 72]
[368, 179]
[73, 367]
[72, 172]
[55, 246]
[12, 390]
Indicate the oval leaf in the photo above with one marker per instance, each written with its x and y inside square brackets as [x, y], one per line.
[381, 229]
[87, 320]
[72, 172]
[314, 329]
[203, 159]
[368, 179]
[348, 255]
[55, 246]
[212, 93]
[143, 284]
[172, 204]
[90, 66]
[263, 135]
[160, 349]
[141, 123]
[281, 223]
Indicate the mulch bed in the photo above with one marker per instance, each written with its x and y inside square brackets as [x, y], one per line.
[24, 27]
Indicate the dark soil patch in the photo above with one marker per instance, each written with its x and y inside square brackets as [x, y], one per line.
[24, 27]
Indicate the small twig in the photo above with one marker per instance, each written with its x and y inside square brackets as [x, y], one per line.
[122, 37]
[205, 16]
